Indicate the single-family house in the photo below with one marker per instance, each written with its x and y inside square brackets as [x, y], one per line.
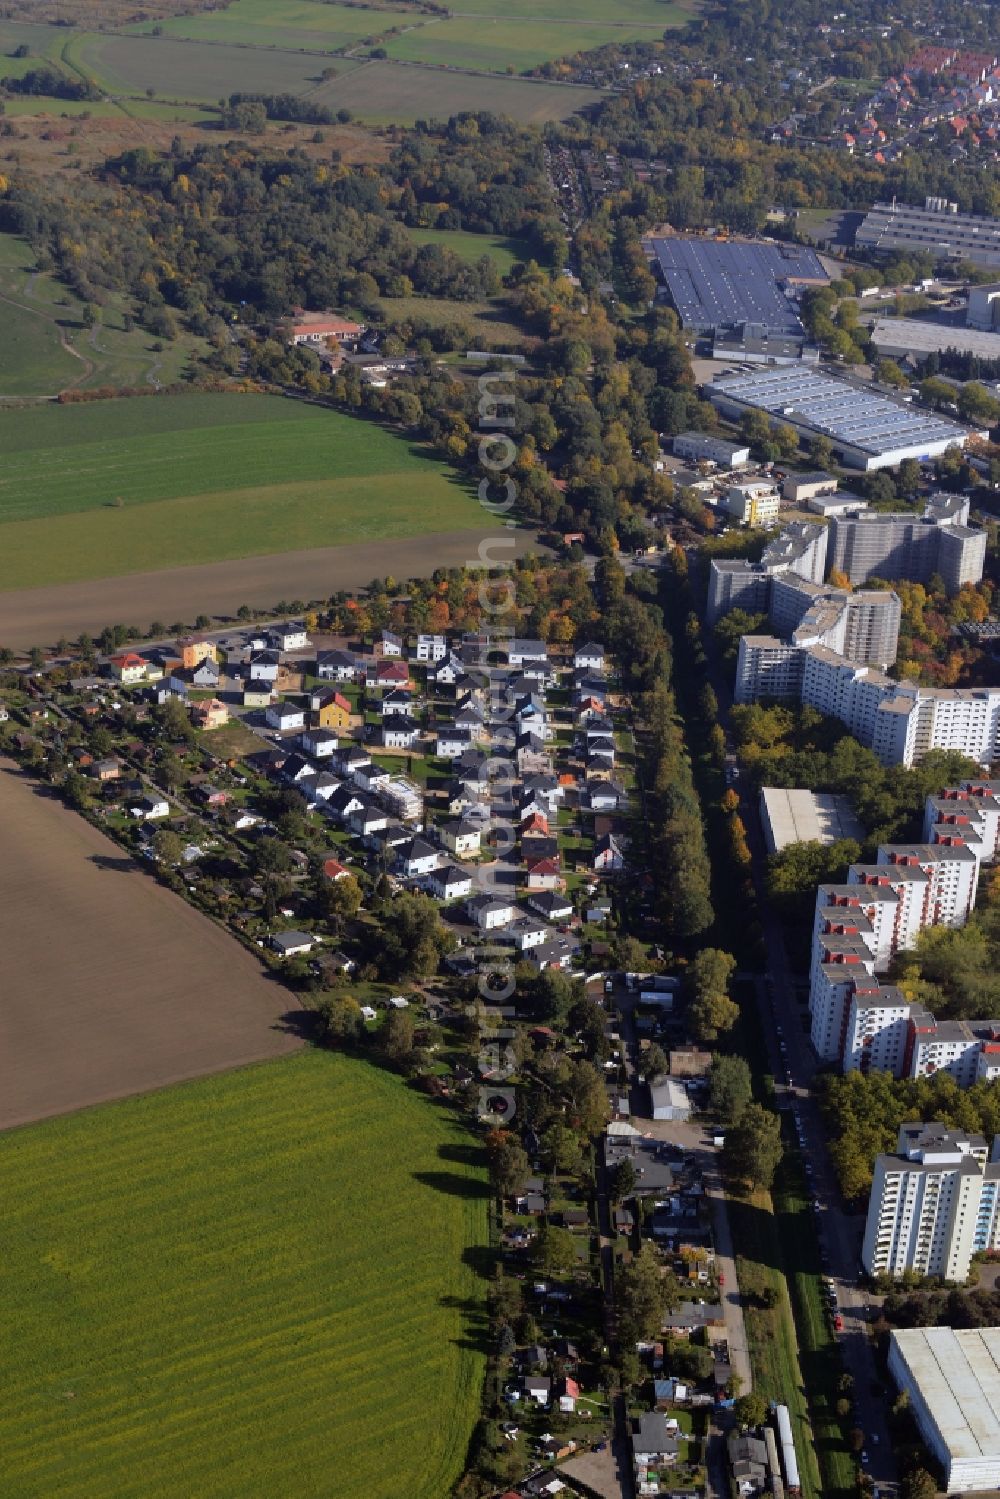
[520, 652]
[297, 768]
[206, 675]
[539, 846]
[606, 795]
[418, 857]
[167, 688]
[333, 870]
[320, 743]
[332, 712]
[108, 769]
[452, 742]
[369, 818]
[344, 803]
[654, 1445]
[526, 932]
[490, 912]
[461, 838]
[290, 637]
[336, 666]
[747, 1463]
[128, 668]
[394, 701]
[384, 674]
[544, 874]
[285, 716]
[351, 758]
[470, 716]
[552, 904]
[609, 856]
[567, 1393]
[149, 807]
[263, 667]
[211, 714]
[192, 650]
[589, 657]
[431, 648]
[370, 777]
[447, 672]
[257, 695]
[399, 732]
[449, 883]
[388, 645]
[557, 952]
[292, 944]
[536, 1387]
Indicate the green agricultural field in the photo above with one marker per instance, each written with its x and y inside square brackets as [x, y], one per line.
[293, 23]
[119, 487]
[255, 1284]
[188, 71]
[492, 43]
[44, 43]
[381, 93]
[505, 252]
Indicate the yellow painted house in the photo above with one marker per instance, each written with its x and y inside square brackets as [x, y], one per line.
[334, 712]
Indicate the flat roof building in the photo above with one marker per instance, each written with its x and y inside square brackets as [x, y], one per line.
[937, 228]
[909, 338]
[705, 449]
[952, 1378]
[806, 817]
[728, 285]
[869, 431]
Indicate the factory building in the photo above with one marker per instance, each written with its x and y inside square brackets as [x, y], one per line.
[868, 431]
[952, 1380]
[937, 229]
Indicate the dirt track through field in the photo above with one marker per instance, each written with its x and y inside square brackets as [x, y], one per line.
[40, 616]
[109, 983]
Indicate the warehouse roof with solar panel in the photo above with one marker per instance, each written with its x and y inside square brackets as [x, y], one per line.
[719, 284]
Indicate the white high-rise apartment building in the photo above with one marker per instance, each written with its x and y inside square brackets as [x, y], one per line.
[928, 1212]
[880, 910]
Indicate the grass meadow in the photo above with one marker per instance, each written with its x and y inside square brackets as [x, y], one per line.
[260, 1283]
[47, 346]
[472, 247]
[114, 487]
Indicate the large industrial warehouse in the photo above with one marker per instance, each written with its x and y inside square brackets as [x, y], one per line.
[952, 1379]
[868, 431]
[716, 285]
[909, 338]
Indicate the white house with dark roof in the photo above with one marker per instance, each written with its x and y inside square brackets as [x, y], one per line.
[589, 657]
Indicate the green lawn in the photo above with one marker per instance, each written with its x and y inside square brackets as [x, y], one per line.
[473, 247]
[250, 1285]
[204, 478]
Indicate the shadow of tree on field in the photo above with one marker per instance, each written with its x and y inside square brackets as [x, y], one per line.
[114, 865]
[452, 1184]
[469, 1154]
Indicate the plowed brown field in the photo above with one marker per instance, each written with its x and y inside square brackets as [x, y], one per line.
[109, 983]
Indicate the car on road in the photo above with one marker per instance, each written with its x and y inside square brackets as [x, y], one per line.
[838, 1323]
